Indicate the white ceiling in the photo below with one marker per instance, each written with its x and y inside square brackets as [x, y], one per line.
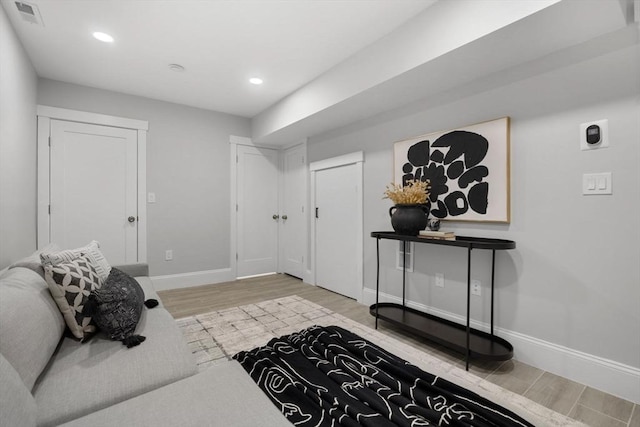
[325, 63]
[221, 44]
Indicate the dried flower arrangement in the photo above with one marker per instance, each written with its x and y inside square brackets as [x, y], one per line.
[413, 193]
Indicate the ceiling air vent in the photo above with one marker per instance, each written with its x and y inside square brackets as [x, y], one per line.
[29, 12]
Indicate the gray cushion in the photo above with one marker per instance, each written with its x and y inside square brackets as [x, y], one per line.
[223, 395]
[30, 323]
[134, 270]
[84, 378]
[33, 262]
[147, 287]
[17, 407]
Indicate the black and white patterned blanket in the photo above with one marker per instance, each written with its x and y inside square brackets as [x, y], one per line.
[328, 376]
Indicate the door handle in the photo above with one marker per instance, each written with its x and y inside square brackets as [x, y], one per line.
[131, 219]
[284, 217]
[275, 216]
[317, 216]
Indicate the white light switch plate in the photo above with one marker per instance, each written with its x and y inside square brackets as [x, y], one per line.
[596, 183]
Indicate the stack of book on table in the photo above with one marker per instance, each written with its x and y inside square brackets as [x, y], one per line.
[437, 235]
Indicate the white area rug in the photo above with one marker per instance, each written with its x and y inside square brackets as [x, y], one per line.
[216, 336]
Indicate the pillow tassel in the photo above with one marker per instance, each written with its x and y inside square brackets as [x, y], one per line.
[150, 303]
[133, 340]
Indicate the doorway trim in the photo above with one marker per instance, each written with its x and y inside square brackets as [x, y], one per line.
[45, 114]
[356, 159]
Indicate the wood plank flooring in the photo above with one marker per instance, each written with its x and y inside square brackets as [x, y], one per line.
[567, 397]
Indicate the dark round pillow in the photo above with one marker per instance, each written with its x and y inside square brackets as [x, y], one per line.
[117, 306]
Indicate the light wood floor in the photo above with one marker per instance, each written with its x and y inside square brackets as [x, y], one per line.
[586, 404]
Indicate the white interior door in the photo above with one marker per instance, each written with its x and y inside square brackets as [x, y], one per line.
[292, 226]
[93, 188]
[336, 229]
[257, 210]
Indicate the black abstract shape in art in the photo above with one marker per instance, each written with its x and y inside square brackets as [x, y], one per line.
[418, 153]
[455, 169]
[417, 160]
[418, 175]
[407, 168]
[474, 147]
[451, 201]
[440, 211]
[437, 156]
[477, 173]
[437, 180]
[478, 197]
[458, 161]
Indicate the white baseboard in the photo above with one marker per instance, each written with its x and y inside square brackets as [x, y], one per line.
[196, 278]
[606, 375]
[307, 277]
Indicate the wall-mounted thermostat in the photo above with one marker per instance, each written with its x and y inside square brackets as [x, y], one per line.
[594, 135]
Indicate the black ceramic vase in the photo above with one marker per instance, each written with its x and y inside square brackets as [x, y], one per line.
[408, 220]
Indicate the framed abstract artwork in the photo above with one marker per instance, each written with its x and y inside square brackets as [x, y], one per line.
[468, 170]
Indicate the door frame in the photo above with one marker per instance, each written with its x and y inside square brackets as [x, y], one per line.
[45, 114]
[356, 159]
[234, 141]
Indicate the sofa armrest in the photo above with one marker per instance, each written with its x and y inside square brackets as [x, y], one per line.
[134, 270]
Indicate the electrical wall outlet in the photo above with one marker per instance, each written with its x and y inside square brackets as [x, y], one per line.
[440, 280]
[476, 287]
[168, 255]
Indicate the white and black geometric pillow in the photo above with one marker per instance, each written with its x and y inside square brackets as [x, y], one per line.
[70, 284]
[91, 252]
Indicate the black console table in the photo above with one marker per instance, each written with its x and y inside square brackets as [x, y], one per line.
[474, 344]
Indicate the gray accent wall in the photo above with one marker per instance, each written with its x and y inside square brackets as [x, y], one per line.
[187, 169]
[18, 86]
[574, 279]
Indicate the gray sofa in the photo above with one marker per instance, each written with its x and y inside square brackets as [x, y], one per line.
[49, 379]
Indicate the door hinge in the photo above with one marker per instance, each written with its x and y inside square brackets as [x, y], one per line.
[236, 158]
[236, 256]
[49, 209]
[236, 207]
[49, 141]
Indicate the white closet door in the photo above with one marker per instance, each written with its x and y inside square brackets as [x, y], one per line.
[336, 201]
[93, 188]
[257, 196]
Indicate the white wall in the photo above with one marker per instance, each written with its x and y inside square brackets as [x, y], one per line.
[187, 169]
[574, 279]
[18, 84]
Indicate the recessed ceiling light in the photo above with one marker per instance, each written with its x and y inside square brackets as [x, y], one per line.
[255, 80]
[103, 37]
[176, 67]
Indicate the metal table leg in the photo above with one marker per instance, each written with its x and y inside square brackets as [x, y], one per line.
[468, 352]
[377, 278]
